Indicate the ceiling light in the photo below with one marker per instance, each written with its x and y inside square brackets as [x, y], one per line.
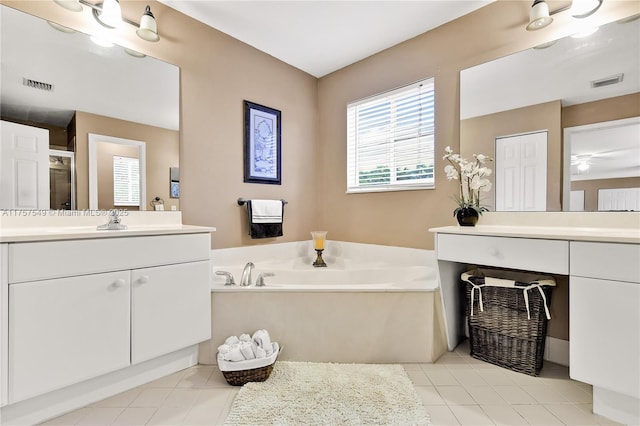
[583, 166]
[584, 8]
[110, 14]
[72, 5]
[148, 28]
[539, 16]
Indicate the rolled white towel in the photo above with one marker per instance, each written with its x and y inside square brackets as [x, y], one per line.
[262, 339]
[224, 349]
[247, 351]
[245, 338]
[232, 340]
[260, 353]
[269, 350]
[234, 354]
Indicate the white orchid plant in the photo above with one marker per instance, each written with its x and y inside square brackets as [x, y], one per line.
[472, 176]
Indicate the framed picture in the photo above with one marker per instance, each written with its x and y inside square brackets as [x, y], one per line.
[262, 133]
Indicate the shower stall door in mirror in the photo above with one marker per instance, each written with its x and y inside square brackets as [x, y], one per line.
[62, 180]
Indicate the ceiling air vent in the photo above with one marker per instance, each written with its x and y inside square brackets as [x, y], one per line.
[47, 87]
[607, 81]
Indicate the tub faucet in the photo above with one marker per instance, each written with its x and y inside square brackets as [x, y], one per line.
[246, 274]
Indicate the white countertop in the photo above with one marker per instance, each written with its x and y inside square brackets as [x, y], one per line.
[613, 227]
[613, 235]
[16, 235]
[24, 226]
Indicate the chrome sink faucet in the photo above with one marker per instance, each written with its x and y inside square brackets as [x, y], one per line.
[245, 280]
[114, 221]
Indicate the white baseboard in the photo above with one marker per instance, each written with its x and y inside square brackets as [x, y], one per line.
[557, 351]
[53, 404]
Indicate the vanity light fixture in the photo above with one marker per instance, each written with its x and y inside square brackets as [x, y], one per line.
[109, 14]
[584, 8]
[72, 5]
[540, 17]
[148, 28]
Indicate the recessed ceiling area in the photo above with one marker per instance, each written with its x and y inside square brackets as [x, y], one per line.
[320, 37]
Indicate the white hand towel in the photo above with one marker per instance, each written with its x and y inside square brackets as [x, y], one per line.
[232, 340]
[234, 354]
[260, 353]
[247, 352]
[266, 211]
[224, 349]
[262, 339]
[245, 338]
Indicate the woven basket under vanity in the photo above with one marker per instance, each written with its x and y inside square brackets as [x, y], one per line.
[503, 333]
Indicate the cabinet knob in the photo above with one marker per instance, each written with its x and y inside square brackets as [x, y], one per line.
[118, 283]
[143, 279]
[493, 251]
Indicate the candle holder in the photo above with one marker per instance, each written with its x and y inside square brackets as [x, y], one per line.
[319, 238]
[319, 262]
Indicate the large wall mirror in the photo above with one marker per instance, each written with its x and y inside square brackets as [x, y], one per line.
[584, 93]
[56, 79]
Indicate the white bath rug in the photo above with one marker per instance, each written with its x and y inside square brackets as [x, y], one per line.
[306, 393]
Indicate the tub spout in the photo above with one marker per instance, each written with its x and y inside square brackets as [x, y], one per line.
[246, 274]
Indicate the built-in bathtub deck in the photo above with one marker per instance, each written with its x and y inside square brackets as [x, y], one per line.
[320, 321]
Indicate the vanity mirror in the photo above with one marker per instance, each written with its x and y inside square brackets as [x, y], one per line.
[61, 80]
[566, 84]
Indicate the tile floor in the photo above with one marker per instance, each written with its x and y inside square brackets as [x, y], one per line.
[456, 390]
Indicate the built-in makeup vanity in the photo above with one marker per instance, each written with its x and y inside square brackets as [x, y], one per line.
[600, 252]
[88, 313]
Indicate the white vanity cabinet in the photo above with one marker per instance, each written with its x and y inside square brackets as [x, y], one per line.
[605, 325]
[81, 308]
[603, 265]
[65, 330]
[168, 309]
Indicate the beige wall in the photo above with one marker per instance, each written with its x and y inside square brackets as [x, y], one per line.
[591, 187]
[478, 135]
[402, 218]
[162, 150]
[219, 72]
[610, 109]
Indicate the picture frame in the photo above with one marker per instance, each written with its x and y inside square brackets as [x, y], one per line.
[262, 144]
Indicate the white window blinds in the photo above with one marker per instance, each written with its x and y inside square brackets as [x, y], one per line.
[126, 181]
[390, 140]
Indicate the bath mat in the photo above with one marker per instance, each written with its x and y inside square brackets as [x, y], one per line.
[306, 393]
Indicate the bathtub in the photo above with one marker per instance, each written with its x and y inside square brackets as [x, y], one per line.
[355, 277]
[372, 304]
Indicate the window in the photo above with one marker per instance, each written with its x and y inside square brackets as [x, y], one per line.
[126, 181]
[390, 140]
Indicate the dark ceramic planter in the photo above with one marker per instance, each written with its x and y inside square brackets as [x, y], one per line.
[467, 217]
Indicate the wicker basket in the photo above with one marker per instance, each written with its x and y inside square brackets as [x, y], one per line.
[242, 372]
[239, 378]
[502, 333]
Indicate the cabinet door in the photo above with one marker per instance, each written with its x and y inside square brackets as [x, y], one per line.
[605, 334]
[170, 309]
[66, 330]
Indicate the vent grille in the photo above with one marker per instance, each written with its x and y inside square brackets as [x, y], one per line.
[47, 87]
[607, 81]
